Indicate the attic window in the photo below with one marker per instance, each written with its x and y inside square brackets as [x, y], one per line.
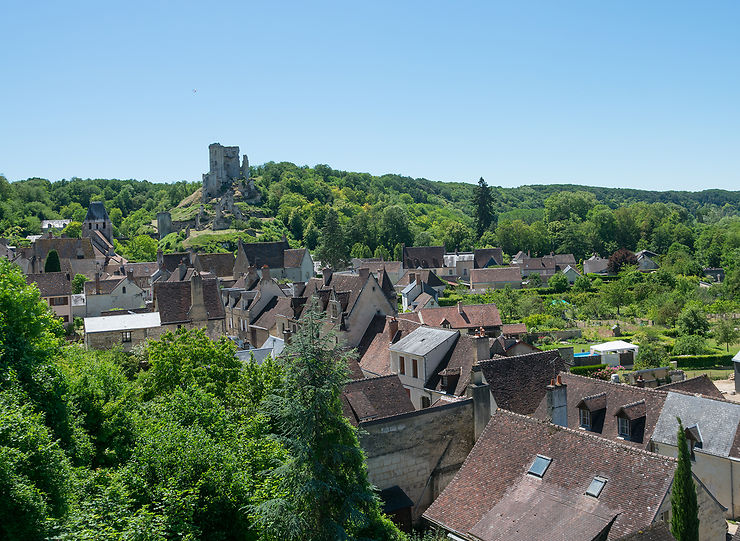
[539, 466]
[585, 418]
[596, 486]
[623, 427]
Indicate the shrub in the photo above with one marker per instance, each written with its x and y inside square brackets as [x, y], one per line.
[588, 371]
[703, 361]
[690, 344]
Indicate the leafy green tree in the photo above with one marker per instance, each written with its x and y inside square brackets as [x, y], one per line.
[534, 279]
[693, 320]
[690, 344]
[485, 216]
[559, 282]
[395, 227]
[78, 283]
[333, 249]
[651, 355]
[72, 230]
[361, 251]
[52, 263]
[398, 252]
[141, 248]
[324, 492]
[684, 506]
[457, 237]
[726, 333]
[381, 252]
[582, 284]
[616, 294]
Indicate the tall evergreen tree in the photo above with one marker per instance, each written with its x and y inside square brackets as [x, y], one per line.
[333, 248]
[52, 263]
[485, 216]
[324, 489]
[684, 508]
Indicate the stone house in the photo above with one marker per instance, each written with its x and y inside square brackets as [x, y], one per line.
[294, 265]
[416, 357]
[219, 264]
[468, 318]
[56, 289]
[97, 219]
[496, 278]
[596, 265]
[632, 415]
[142, 274]
[394, 269]
[480, 258]
[247, 300]
[529, 479]
[126, 330]
[647, 260]
[427, 257]
[193, 304]
[121, 293]
[33, 258]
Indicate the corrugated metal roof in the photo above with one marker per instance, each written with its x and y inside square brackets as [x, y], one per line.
[123, 322]
[422, 340]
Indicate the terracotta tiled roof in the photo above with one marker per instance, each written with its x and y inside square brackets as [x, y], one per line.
[502, 274]
[486, 257]
[421, 301]
[563, 260]
[514, 328]
[697, 385]
[471, 316]
[66, 248]
[423, 256]
[374, 398]
[143, 269]
[292, 259]
[51, 284]
[172, 261]
[636, 481]
[657, 532]
[617, 396]
[173, 300]
[518, 383]
[376, 358]
[222, 265]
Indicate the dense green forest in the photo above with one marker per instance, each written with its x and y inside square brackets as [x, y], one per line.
[373, 215]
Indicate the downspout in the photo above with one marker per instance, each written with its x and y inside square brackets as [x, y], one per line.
[732, 488]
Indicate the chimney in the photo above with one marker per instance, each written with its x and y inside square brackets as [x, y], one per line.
[130, 275]
[392, 329]
[480, 392]
[197, 310]
[481, 346]
[287, 334]
[557, 402]
[160, 258]
[459, 307]
[97, 282]
[252, 277]
[412, 277]
[640, 382]
[265, 273]
[298, 288]
[183, 268]
[364, 273]
[326, 273]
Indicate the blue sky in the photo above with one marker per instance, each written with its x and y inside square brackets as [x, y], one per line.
[623, 94]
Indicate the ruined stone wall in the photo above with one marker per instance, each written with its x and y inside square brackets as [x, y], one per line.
[164, 224]
[419, 451]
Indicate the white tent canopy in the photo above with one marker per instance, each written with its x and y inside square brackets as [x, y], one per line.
[617, 346]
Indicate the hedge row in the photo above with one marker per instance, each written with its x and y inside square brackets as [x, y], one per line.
[702, 361]
[586, 370]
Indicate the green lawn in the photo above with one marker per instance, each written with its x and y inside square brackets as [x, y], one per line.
[713, 373]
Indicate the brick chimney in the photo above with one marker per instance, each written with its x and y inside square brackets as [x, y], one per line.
[183, 269]
[480, 392]
[557, 402]
[97, 282]
[392, 329]
[252, 276]
[327, 273]
[266, 273]
[481, 346]
[130, 275]
[364, 273]
[197, 310]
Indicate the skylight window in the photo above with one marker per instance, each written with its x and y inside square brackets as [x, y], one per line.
[539, 466]
[596, 486]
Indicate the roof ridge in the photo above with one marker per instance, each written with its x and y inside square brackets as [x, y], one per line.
[620, 385]
[636, 402]
[586, 434]
[596, 395]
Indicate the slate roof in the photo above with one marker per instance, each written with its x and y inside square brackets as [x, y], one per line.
[502, 274]
[424, 275]
[423, 256]
[222, 265]
[349, 284]
[423, 341]
[421, 301]
[51, 284]
[290, 307]
[293, 258]
[106, 286]
[86, 267]
[469, 316]
[518, 382]
[141, 270]
[172, 261]
[617, 396]
[377, 265]
[173, 300]
[697, 385]
[494, 476]
[373, 348]
[457, 363]
[718, 422]
[657, 532]
[260, 254]
[374, 398]
[564, 260]
[485, 257]
[96, 211]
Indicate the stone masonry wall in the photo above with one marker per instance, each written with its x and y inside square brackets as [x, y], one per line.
[419, 451]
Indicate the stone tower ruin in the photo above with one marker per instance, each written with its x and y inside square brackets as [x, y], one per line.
[225, 170]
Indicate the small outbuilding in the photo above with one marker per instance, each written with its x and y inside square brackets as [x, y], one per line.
[616, 353]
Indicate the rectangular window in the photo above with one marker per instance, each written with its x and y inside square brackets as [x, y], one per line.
[415, 368]
[624, 427]
[401, 365]
[596, 486]
[65, 319]
[126, 336]
[585, 418]
[539, 466]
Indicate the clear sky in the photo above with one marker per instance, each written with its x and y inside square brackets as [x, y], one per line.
[625, 94]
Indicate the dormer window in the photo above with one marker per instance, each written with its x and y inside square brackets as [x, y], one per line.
[596, 486]
[592, 411]
[623, 427]
[585, 418]
[631, 421]
[539, 466]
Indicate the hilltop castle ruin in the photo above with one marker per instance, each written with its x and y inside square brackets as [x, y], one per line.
[225, 171]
